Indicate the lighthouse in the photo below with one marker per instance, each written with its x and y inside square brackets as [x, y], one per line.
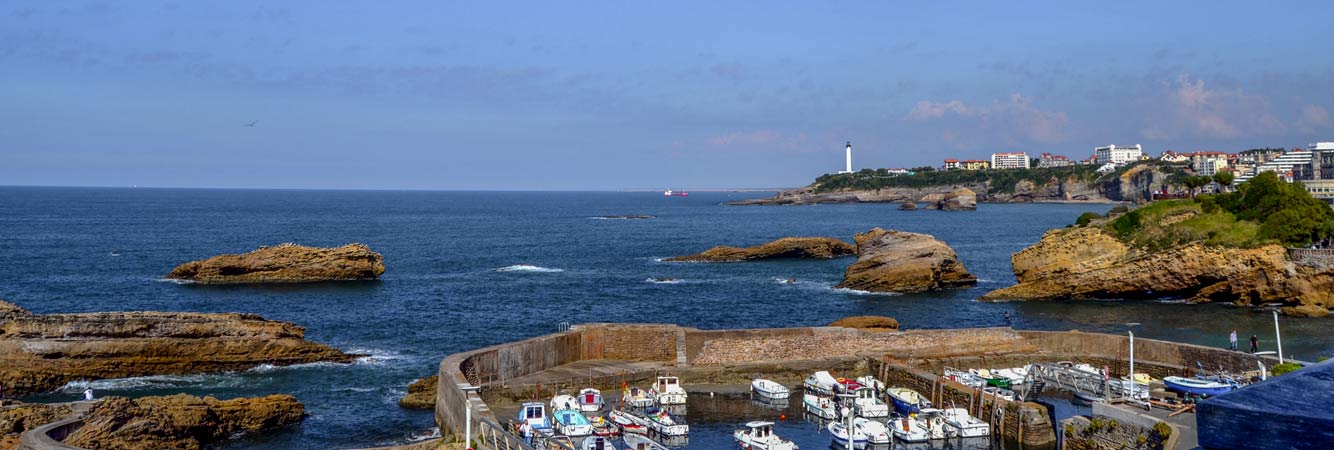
[847, 158]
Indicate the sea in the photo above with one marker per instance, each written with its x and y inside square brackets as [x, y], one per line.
[471, 269]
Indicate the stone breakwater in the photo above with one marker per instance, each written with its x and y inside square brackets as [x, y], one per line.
[789, 247]
[285, 263]
[42, 352]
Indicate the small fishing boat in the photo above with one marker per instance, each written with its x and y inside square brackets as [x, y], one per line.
[590, 400]
[571, 422]
[876, 433]
[934, 421]
[840, 432]
[991, 379]
[820, 383]
[533, 418]
[1198, 386]
[636, 398]
[907, 401]
[960, 424]
[564, 401]
[1126, 388]
[669, 193]
[641, 442]
[998, 392]
[821, 407]
[868, 404]
[1086, 398]
[605, 428]
[769, 389]
[1143, 378]
[1016, 375]
[965, 378]
[760, 435]
[846, 386]
[871, 382]
[668, 391]
[598, 443]
[627, 424]
[909, 430]
[662, 422]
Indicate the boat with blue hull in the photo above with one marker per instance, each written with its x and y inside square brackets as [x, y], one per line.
[907, 401]
[1199, 386]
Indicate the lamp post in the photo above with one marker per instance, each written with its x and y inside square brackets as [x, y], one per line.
[1132, 363]
[467, 389]
[850, 401]
[1278, 338]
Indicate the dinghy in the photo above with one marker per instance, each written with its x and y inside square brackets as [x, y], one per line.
[590, 400]
[769, 389]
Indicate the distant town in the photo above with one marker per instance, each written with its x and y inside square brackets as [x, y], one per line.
[1313, 166]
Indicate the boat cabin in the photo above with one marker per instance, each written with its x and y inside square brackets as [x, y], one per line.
[666, 384]
[534, 414]
[865, 393]
[760, 429]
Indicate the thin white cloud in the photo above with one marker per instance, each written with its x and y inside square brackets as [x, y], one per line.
[1189, 108]
[1314, 118]
[1012, 121]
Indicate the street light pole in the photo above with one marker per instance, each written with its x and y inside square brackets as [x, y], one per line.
[1278, 338]
[467, 413]
[1132, 363]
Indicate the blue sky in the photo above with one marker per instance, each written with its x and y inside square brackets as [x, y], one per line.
[611, 95]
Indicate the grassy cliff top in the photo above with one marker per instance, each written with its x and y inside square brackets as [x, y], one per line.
[1002, 180]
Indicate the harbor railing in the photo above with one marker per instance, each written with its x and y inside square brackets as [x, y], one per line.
[1315, 257]
[497, 437]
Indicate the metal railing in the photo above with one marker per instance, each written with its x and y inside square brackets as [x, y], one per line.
[496, 437]
[1315, 257]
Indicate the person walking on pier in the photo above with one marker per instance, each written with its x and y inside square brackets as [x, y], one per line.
[1232, 339]
[1255, 344]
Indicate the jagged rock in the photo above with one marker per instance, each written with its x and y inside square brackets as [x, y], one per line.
[1305, 311]
[180, 421]
[868, 323]
[897, 261]
[18, 418]
[285, 263]
[1087, 262]
[908, 206]
[421, 393]
[961, 199]
[41, 352]
[789, 247]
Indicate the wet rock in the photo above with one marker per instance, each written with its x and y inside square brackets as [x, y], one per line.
[961, 199]
[908, 206]
[421, 393]
[20, 417]
[285, 263]
[789, 247]
[42, 352]
[1305, 311]
[868, 323]
[897, 261]
[180, 421]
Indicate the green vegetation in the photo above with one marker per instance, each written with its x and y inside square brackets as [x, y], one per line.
[1087, 217]
[1000, 180]
[1163, 429]
[1264, 210]
[1284, 368]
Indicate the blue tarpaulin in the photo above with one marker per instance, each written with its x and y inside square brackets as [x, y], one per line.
[1291, 411]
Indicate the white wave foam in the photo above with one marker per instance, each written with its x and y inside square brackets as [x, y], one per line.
[861, 292]
[663, 281]
[1171, 301]
[374, 356]
[175, 281]
[528, 268]
[149, 382]
[355, 389]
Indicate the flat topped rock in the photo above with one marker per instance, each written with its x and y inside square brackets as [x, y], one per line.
[868, 323]
[897, 261]
[180, 421]
[789, 247]
[285, 263]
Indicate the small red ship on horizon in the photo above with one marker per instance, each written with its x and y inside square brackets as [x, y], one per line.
[669, 193]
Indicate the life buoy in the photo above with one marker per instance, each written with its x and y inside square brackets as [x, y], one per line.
[842, 380]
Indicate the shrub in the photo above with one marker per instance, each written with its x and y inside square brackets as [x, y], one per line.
[1284, 368]
[1164, 431]
[1087, 217]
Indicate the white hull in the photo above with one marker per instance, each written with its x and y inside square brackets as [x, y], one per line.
[639, 442]
[914, 431]
[840, 434]
[770, 389]
[743, 438]
[671, 399]
[820, 407]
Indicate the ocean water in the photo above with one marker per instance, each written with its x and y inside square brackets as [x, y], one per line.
[469, 269]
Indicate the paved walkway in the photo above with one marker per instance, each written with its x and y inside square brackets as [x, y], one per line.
[586, 369]
[1184, 423]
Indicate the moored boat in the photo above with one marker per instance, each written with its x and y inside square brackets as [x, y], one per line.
[668, 391]
[641, 442]
[907, 401]
[590, 400]
[934, 421]
[564, 401]
[532, 418]
[597, 443]
[759, 435]
[571, 422]
[876, 433]
[820, 383]
[842, 434]
[636, 398]
[908, 429]
[627, 424]
[868, 404]
[769, 389]
[958, 423]
[821, 407]
[1198, 386]
[871, 382]
[664, 423]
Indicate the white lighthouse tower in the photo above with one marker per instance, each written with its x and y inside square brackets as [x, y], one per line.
[847, 158]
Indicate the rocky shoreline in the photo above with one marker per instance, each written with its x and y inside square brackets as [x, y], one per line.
[42, 352]
[789, 247]
[285, 263]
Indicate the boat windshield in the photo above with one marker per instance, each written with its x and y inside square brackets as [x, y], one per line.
[533, 412]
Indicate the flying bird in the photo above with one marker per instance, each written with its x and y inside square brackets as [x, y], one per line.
[251, 124]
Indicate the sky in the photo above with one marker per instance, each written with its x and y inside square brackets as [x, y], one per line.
[628, 95]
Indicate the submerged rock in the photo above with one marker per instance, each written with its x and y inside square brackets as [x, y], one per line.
[1089, 263]
[897, 261]
[180, 421]
[789, 247]
[42, 352]
[285, 263]
[868, 323]
[421, 393]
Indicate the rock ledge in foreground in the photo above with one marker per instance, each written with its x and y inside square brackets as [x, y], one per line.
[180, 421]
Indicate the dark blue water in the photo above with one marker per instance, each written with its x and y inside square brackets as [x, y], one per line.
[443, 294]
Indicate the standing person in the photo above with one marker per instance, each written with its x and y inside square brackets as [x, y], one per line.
[1232, 339]
[1255, 344]
[1007, 318]
[88, 394]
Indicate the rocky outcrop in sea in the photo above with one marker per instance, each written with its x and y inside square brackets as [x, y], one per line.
[897, 261]
[421, 393]
[789, 247]
[180, 421]
[42, 352]
[1089, 263]
[285, 263]
[961, 199]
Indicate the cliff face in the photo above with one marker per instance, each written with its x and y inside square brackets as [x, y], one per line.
[285, 263]
[180, 421]
[790, 247]
[896, 261]
[40, 353]
[1023, 191]
[1089, 263]
[1135, 185]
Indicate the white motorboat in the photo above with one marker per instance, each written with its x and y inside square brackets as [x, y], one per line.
[760, 435]
[636, 398]
[965, 378]
[907, 401]
[821, 407]
[998, 392]
[909, 430]
[598, 443]
[934, 422]
[590, 400]
[840, 432]
[960, 424]
[871, 382]
[868, 404]
[769, 389]
[820, 383]
[668, 391]
[1016, 375]
[876, 433]
[662, 422]
[1125, 388]
[564, 401]
[641, 442]
[627, 423]
[571, 422]
[533, 417]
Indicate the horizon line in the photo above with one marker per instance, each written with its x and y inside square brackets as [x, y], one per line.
[234, 188]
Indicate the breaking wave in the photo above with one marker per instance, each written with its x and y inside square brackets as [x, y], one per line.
[528, 268]
[861, 292]
[664, 280]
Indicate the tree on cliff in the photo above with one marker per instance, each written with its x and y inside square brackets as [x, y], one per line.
[1285, 211]
[1224, 179]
